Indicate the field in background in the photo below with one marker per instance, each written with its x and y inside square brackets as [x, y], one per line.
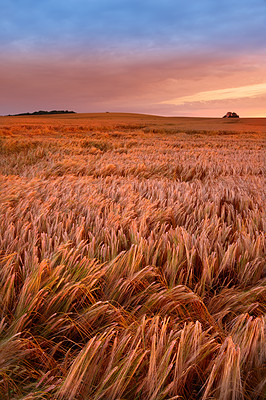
[132, 258]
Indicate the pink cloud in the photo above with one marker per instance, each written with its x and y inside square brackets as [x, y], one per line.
[129, 83]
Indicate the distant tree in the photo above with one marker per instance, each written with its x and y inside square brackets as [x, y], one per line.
[42, 112]
[230, 114]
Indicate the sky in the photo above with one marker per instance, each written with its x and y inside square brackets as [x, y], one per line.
[165, 57]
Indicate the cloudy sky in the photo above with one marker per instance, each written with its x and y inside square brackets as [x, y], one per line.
[166, 57]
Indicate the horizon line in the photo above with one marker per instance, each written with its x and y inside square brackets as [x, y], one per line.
[30, 114]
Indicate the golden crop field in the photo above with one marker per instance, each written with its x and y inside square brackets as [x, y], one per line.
[132, 258]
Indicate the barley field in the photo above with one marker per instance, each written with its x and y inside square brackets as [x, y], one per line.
[132, 258]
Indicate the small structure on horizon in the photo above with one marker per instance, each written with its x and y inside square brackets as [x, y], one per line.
[230, 114]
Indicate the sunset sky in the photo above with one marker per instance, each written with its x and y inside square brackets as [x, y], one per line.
[165, 57]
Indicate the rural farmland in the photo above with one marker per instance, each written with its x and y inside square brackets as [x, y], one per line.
[132, 258]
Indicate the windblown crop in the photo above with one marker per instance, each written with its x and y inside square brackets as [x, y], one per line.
[131, 262]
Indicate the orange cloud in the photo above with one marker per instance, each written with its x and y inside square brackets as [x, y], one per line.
[221, 94]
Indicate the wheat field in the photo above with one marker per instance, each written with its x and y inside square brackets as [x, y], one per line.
[132, 258]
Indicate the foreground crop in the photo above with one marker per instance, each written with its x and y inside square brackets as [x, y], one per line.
[131, 264]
